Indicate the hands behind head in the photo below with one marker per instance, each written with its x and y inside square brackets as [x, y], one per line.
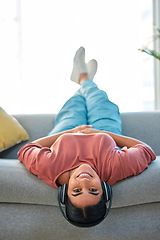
[87, 129]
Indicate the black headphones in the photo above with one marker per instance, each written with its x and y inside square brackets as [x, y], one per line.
[107, 195]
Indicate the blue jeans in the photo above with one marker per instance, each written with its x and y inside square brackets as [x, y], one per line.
[89, 106]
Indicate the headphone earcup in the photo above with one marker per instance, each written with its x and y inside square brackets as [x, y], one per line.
[107, 191]
[63, 193]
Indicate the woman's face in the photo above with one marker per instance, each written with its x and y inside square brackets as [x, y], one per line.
[84, 187]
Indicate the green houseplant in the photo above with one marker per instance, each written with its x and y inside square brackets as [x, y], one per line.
[147, 50]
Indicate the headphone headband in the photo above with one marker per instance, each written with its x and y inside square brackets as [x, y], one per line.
[107, 193]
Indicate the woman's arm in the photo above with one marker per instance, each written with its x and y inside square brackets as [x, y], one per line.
[121, 141]
[49, 140]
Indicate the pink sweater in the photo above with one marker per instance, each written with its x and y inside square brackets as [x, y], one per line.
[98, 150]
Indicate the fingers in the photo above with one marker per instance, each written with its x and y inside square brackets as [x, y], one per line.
[82, 127]
[86, 130]
[85, 126]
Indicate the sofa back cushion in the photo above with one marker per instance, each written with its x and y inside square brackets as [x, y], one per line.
[141, 125]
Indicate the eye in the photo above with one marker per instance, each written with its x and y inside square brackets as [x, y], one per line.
[77, 190]
[93, 190]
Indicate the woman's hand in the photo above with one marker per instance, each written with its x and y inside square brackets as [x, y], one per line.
[87, 129]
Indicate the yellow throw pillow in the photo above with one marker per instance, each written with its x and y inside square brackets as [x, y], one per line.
[11, 132]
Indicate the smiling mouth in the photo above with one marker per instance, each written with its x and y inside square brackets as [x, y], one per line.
[84, 174]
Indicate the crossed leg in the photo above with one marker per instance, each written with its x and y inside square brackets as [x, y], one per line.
[102, 114]
[72, 114]
[89, 106]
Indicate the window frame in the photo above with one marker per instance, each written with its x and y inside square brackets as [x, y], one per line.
[156, 22]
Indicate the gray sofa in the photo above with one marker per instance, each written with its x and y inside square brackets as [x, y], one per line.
[29, 208]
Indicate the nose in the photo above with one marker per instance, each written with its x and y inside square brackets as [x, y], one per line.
[84, 181]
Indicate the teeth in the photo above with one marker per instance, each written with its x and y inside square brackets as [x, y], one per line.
[84, 174]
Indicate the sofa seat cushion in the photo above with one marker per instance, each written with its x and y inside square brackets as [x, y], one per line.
[18, 185]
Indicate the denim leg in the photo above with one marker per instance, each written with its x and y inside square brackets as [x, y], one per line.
[102, 113]
[72, 114]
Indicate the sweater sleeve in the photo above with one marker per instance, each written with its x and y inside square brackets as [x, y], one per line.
[129, 162]
[39, 161]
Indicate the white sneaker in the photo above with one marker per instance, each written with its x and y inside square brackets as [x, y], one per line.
[92, 68]
[79, 65]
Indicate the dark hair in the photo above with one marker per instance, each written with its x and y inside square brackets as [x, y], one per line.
[89, 214]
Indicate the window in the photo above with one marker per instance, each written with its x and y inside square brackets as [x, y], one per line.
[39, 40]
